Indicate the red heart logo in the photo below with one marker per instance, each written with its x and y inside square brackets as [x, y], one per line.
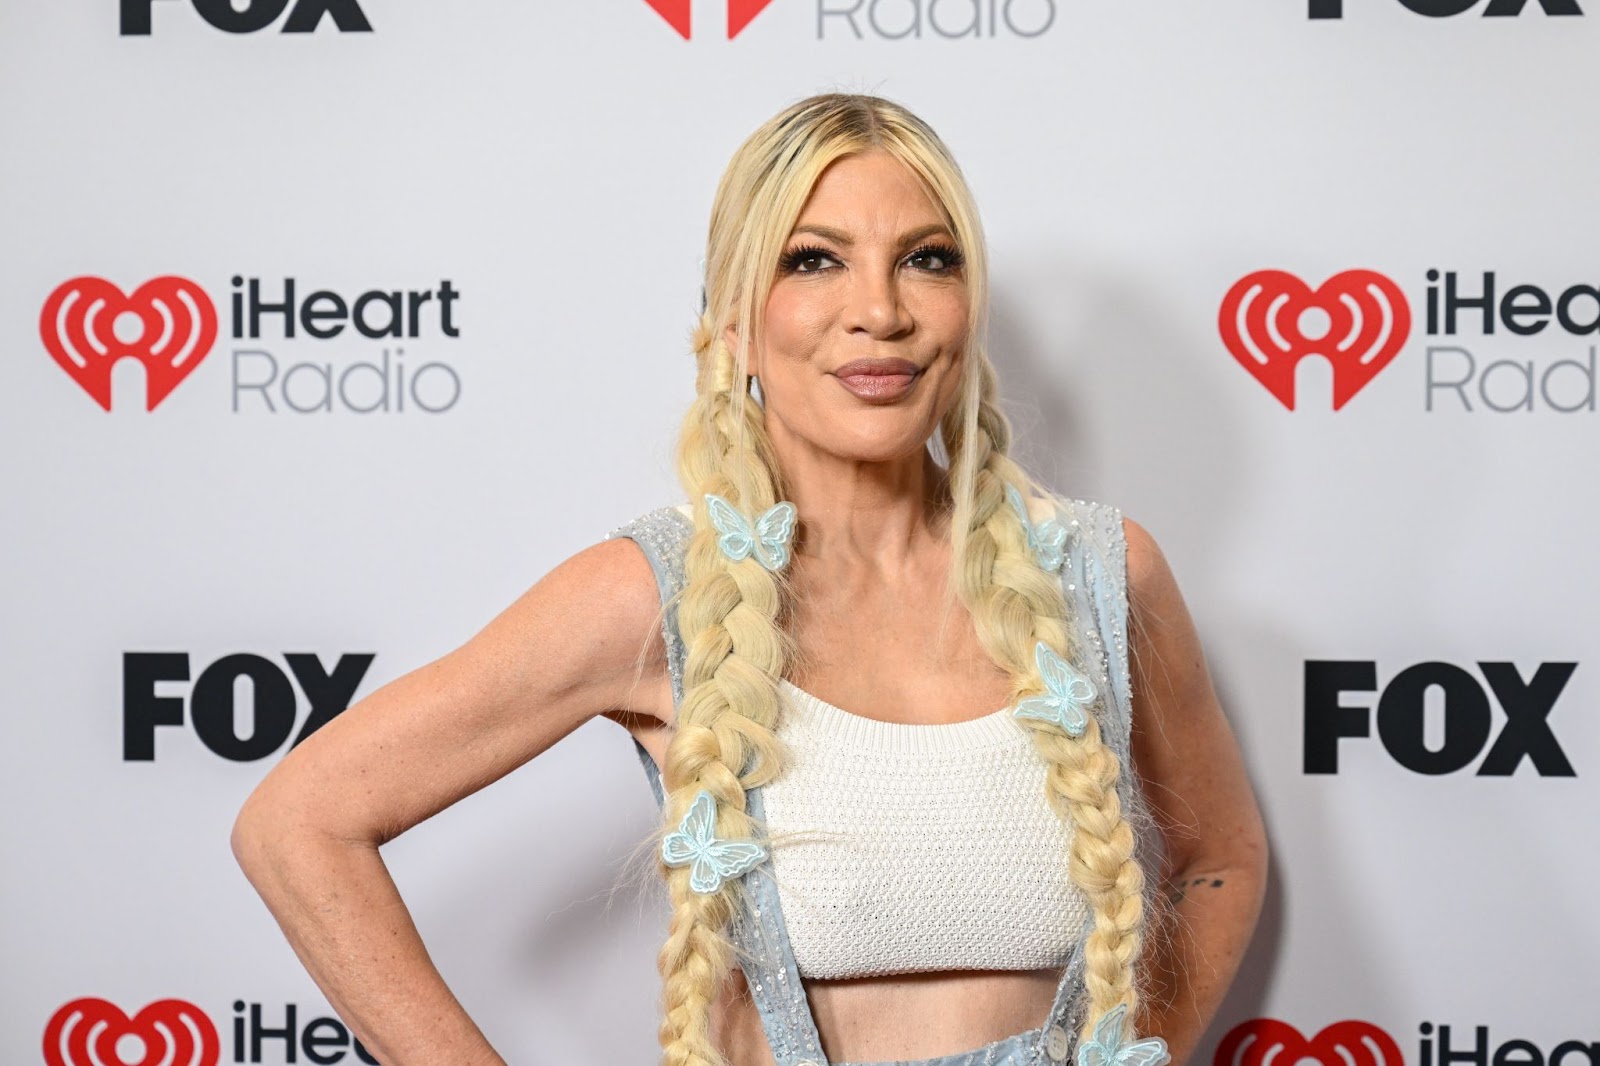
[1262, 322]
[1346, 1043]
[740, 12]
[676, 14]
[86, 1032]
[177, 325]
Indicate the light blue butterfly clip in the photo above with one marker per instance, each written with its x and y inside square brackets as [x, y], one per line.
[1047, 540]
[713, 860]
[768, 541]
[1069, 693]
[1107, 1048]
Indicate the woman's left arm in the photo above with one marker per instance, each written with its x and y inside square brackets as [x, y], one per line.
[1194, 780]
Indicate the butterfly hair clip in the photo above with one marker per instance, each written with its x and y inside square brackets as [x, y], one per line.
[767, 539]
[1107, 1047]
[1046, 540]
[1067, 697]
[714, 861]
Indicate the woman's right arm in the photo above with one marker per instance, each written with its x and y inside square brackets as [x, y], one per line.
[308, 836]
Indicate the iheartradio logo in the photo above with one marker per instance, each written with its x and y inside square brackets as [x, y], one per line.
[889, 20]
[676, 13]
[95, 1032]
[1347, 1043]
[168, 324]
[1357, 320]
[174, 1032]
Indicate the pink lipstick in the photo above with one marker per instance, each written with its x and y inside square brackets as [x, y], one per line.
[878, 380]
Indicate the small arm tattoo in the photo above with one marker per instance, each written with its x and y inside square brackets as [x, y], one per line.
[1178, 889]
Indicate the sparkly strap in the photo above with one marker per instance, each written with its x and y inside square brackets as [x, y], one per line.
[767, 958]
[1095, 580]
[1096, 584]
[757, 929]
[663, 535]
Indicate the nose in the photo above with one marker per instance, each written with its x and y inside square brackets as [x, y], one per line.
[876, 307]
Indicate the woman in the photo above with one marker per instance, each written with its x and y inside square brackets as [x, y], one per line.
[829, 559]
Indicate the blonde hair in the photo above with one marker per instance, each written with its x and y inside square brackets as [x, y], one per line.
[732, 614]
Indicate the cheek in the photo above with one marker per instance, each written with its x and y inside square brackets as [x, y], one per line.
[944, 315]
[796, 322]
[951, 391]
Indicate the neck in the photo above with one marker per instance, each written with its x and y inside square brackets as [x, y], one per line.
[852, 509]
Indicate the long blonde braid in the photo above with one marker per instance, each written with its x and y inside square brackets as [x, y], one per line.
[1015, 604]
[735, 654]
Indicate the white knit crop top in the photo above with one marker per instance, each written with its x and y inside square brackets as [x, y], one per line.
[900, 848]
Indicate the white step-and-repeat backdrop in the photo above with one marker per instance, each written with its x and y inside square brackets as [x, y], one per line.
[428, 272]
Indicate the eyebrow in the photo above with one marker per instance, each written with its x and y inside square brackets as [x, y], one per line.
[842, 238]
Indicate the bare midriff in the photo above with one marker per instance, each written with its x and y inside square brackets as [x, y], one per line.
[898, 1016]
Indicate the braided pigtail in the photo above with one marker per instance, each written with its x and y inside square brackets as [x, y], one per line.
[724, 741]
[1014, 605]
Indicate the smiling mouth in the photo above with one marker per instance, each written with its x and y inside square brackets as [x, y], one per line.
[878, 380]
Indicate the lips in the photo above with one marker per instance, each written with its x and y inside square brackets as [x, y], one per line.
[878, 380]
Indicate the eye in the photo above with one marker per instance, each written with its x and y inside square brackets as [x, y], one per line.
[936, 258]
[806, 259]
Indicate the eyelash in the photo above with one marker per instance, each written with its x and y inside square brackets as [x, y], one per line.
[951, 255]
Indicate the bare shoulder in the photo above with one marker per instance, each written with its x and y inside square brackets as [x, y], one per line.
[1151, 582]
[1164, 647]
[603, 607]
[614, 579]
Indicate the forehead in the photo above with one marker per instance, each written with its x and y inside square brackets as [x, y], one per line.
[869, 194]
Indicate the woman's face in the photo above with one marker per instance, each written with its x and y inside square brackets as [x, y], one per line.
[861, 351]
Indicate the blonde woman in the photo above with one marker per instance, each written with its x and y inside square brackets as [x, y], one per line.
[964, 867]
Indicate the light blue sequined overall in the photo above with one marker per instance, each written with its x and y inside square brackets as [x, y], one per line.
[1094, 581]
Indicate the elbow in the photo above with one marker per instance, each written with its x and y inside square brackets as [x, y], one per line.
[279, 833]
[1249, 858]
[266, 834]
[251, 838]
[1255, 862]
[1246, 850]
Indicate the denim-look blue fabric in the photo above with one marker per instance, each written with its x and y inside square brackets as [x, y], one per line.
[1094, 579]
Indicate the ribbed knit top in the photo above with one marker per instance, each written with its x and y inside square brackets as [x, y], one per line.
[900, 848]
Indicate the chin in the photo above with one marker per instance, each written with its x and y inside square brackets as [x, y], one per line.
[875, 446]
